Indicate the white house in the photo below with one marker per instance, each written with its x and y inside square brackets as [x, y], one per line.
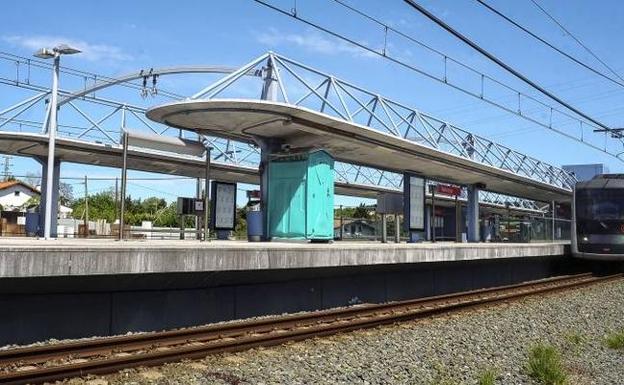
[14, 194]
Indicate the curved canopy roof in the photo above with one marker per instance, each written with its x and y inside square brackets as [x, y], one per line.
[299, 127]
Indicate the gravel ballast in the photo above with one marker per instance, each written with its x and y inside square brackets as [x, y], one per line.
[452, 349]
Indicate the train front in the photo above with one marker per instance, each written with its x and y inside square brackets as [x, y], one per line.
[598, 213]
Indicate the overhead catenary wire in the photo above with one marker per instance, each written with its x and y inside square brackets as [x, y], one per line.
[547, 43]
[548, 108]
[577, 40]
[502, 64]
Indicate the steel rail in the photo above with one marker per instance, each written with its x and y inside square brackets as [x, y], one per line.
[263, 332]
[96, 346]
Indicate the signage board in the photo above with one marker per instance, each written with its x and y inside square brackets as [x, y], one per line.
[446, 189]
[414, 194]
[223, 210]
[389, 203]
[186, 206]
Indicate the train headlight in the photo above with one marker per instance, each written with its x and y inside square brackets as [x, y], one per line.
[585, 239]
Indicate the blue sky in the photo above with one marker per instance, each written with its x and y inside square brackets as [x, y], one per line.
[120, 37]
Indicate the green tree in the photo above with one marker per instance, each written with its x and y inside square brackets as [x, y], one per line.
[361, 212]
[101, 206]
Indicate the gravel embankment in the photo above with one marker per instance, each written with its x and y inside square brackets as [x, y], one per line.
[447, 350]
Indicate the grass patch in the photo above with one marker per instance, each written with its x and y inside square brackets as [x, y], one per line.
[545, 365]
[488, 377]
[615, 340]
[575, 338]
[443, 377]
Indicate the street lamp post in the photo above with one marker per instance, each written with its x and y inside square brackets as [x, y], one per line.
[52, 53]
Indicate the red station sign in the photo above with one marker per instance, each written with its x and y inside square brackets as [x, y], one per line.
[448, 189]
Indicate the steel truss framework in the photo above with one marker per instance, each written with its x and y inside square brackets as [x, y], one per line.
[90, 117]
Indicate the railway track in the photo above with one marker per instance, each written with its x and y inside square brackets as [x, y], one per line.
[38, 364]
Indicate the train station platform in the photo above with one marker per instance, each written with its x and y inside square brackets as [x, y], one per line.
[118, 287]
[22, 258]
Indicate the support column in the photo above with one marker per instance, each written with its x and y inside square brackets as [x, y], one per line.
[56, 176]
[384, 230]
[553, 223]
[458, 220]
[397, 229]
[472, 212]
[427, 222]
[198, 195]
[267, 147]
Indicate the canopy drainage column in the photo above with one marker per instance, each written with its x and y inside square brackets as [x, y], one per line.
[472, 212]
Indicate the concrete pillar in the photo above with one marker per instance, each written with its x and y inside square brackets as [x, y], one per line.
[267, 147]
[55, 195]
[384, 230]
[427, 218]
[472, 213]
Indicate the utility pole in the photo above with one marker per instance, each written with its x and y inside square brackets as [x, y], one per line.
[341, 223]
[116, 198]
[7, 166]
[86, 216]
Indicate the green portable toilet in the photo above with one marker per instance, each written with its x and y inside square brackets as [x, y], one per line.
[301, 196]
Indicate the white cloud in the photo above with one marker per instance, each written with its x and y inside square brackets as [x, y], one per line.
[312, 41]
[91, 52]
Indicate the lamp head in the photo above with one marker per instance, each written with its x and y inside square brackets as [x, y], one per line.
[44, 53]
[64, 49]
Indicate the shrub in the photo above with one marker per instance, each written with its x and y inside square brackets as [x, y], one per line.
[615, 340]
[545, 365]
[487, 377]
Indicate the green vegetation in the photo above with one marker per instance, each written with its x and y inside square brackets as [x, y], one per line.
[488, 377]
[361, 211]
[102, 206]
[575, 341]
[575, 338]
[545, 365]
[615, 340]
[443, 377]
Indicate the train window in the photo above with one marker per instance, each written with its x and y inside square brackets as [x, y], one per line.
[600, 204]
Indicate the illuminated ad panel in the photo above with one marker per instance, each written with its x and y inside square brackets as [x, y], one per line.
[223, 210]
[415, 205]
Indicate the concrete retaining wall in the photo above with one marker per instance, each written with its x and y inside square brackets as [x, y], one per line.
[39, 308]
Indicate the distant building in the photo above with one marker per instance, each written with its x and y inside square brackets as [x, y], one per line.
[14, 202]
[584, 172]
[355, 228]
[14, 194]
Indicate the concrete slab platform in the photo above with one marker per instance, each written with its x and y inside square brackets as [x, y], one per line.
[27, 257]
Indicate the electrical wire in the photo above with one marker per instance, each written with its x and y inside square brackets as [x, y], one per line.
[564, 29]
[503, 65]
[547, 43]
[481, 96]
